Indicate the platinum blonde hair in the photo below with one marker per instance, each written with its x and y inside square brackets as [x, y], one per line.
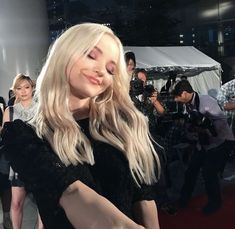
[113, 117]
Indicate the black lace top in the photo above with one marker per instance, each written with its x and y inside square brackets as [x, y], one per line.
[47, 177]
[113, 177]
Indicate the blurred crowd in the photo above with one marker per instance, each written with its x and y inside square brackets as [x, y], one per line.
[196, 133]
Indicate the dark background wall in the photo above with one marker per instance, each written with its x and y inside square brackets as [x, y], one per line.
[207, 25]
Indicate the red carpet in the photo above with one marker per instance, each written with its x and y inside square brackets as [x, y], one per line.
[193, 218]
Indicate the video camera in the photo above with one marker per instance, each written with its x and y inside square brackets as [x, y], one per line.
[137, 88]
[197, 119]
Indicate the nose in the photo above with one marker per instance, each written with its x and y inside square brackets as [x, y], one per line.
[22, 91]
[100, 70]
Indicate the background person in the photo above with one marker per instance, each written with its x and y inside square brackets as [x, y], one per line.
[145, 98]
[130, 63]
[23, 109]
[226, 100]
[211, 131]
[86, 138]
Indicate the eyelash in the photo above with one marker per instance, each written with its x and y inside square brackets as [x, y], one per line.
[21, 88]
[109, 71]
[91, 57]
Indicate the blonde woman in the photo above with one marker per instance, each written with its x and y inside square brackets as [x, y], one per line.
[23, 109]
[86, 132]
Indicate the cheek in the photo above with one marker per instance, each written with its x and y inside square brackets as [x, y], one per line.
[73, 68]
[178, 99]
[108, 81]
[129, 68]
[30, 90]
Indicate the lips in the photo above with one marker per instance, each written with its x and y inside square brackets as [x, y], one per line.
[93, 80]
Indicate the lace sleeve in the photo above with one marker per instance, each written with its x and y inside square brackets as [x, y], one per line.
[145, 192]
[38, 166]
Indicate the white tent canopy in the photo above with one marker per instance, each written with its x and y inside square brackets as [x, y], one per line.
[203, 72]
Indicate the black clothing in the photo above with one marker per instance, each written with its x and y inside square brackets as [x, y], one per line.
[211, 148]
[4, 183]
[211, 162]
[112, 175]
[11, 101]
[2, 108]
[42, 171]
[47, 177]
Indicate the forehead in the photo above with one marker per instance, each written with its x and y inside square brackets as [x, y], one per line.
[22, 83]
[141, 74]
[131, 61]
[109, 47]
[182, 97]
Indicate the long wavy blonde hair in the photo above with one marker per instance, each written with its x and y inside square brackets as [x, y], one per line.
[113, 117]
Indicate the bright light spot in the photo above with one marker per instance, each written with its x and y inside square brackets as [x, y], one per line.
[4, 56]
[106, 24]
[223, 8]
[181, 42]
[181, 35]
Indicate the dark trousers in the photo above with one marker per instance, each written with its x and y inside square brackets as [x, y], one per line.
[161, 195]
[211, 162]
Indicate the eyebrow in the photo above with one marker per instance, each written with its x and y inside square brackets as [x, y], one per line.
[100, 51]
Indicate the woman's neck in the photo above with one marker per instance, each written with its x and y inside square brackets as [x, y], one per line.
[26, 103]
[79, 107]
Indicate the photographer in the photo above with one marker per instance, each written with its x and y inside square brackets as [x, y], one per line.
[145, 95]
[145, 98]
[208, 126]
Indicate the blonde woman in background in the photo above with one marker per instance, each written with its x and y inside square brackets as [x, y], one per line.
[87, 155]
[24, 108]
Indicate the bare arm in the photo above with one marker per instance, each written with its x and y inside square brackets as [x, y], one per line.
[229, 106]
[158, 106]
[156, 103]
[146, 214]
[86, 209]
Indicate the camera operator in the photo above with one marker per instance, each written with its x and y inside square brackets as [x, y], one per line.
[145, 98]
[209, 126]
